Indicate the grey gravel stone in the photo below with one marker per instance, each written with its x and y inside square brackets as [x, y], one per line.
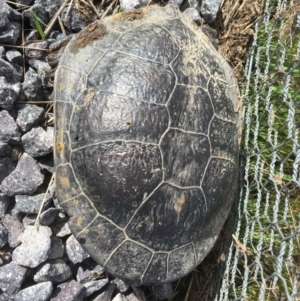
[48, 216]
[60, 226]
[107, 294]
[4, 149]
[2, 52]
[133, 297]
[28, 116]
[121, 285]
[3, 235]
[190, 3]
[209, 9]
[14, 56]
[4, 202]
[8, 93]
[89, 270]
[32, 85]
[68, 291]
[164, 291]
[35, 54]
[132, 4]
[31, 204]
[193, 15]
[29, 220]
[35, 246]
[38, 142]
[43, 68]
[6, 167]
[47, 163]
[9, 132]
[11, 278]
[120, 297]
[10, 24]
[10, 73]
[56, 271]
[72, 19]
[37, 292]
[94, 286]
[14, 228]
[25, 179]
[57, 248]
[75, 251]
[176, 2]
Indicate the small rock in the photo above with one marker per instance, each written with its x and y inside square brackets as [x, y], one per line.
[121, 285]
[56, 271]
[47, 163]
[2, 52]
[162, 292]
[3, 235]
[38, 142]
[75, 251]
[38, 292]
[5, 149]
[7, 70]
[209, 10]
[6, 167]
[30, 253]
[89, 270]
[11, 278]
[32, 85]
[43, 68]
[8, 93]
[176, 2]
[120, 297]
[60, 226]
[133, 297]
[57, 248]
[48, 216]
[4, 202]
[14, 228]
[72, 19]
[29, 220]
[107, 294]
[193, 15]
[132, 4]
[28, 116]
[94, 286]
[35, 54]
[9, 132]
[14, 57]
[18, 182]
[10, 24]
[71, 290]
[31, 204]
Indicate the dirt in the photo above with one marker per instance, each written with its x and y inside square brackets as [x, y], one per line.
[92, 33]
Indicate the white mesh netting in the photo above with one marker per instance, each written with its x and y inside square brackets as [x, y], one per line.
[263, 262]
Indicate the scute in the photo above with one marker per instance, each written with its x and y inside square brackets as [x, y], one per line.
[146, 143]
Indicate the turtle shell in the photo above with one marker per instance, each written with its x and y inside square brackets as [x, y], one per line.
[146, 150]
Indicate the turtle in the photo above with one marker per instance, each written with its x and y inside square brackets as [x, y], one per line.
[147, 135]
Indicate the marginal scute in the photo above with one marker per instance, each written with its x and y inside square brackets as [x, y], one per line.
[157, 267]
[133, 258]
[66, 185]
[99, 238]
[69, 84]
[181, 262]
[75, 207]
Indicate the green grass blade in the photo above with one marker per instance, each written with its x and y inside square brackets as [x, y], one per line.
[37, 25]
